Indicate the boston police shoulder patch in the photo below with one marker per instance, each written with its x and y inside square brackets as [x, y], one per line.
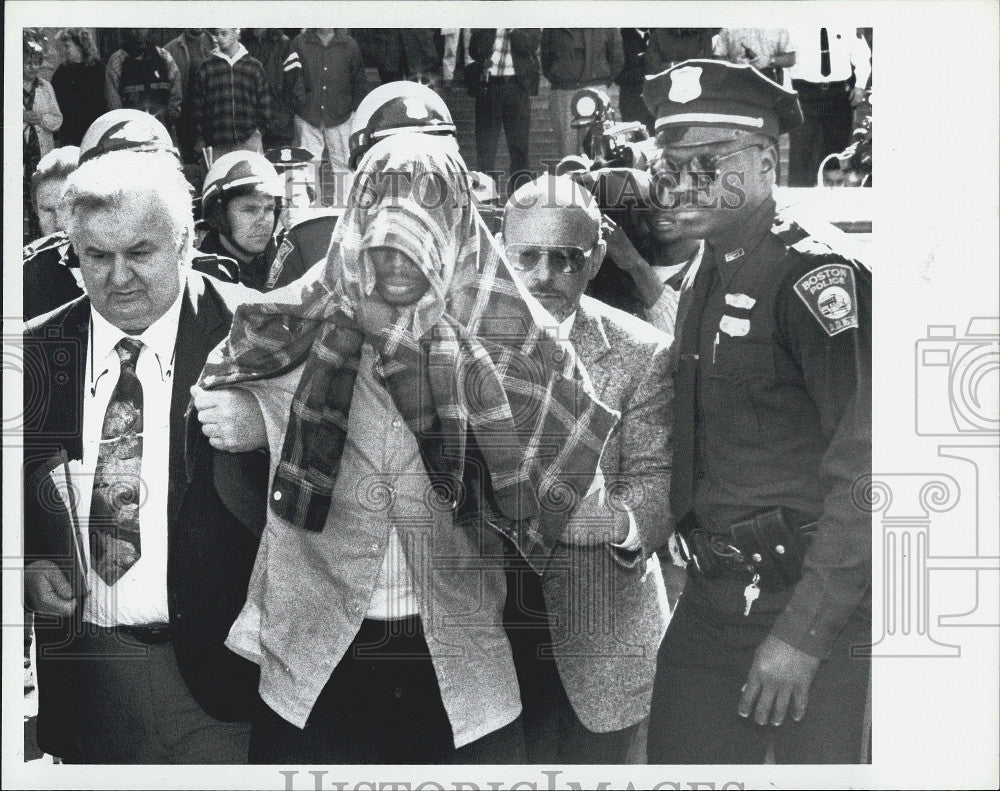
[830, 293]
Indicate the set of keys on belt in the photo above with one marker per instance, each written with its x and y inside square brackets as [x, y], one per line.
[750, 594]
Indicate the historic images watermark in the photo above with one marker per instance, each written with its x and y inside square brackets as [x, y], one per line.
[957, 387]
[548, 780]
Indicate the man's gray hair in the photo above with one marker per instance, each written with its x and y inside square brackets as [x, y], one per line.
[119, 177]
[57, 164]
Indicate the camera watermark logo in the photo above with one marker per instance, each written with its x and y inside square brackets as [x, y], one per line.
[958, 380]
[958, 396]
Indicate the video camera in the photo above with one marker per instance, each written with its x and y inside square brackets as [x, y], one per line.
[608, 142]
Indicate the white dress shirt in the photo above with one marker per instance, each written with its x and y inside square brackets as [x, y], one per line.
[140, 595]
[847, 50]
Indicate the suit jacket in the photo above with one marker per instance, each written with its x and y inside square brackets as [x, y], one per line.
[210, 552]
[524, 53]
[607, 607]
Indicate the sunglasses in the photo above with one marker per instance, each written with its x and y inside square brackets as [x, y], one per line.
[667, 169]
[565, 259]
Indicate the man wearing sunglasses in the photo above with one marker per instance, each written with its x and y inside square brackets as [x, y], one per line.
[585, 633]
[771, 443]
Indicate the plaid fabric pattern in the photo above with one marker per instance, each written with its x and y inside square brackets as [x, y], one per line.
[229, 102]
[508, 428]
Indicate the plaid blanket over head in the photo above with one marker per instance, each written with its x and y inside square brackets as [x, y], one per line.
[507, 425]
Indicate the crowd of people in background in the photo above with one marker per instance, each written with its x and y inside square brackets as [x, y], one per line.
[223, 89]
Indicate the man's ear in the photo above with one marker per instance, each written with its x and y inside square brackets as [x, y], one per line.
[769, 158]
[597, 258]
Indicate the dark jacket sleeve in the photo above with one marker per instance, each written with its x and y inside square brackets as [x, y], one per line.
[360, 86]
[263, 99]
[198, 103]
[293, 87]
[524, 42]
[615, 54]
[546, 53]
[836, 577]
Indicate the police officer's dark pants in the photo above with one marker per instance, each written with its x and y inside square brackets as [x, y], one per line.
[553, 734]
[382, 705]
[826, 129]
[502, 102]
[703, 663]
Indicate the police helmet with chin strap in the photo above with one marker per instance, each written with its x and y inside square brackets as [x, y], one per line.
[234, 174]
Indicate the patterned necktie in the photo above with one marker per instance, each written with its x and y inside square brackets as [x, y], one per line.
[824, 52]
[114, 507]
[686, 386]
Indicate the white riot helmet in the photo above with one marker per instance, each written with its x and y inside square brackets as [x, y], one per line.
[394, 108]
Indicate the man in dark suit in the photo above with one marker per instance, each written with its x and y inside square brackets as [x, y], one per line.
[135, 571]
[501, 72]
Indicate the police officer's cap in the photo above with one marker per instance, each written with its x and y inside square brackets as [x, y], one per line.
[397, 107]
[700, 101]
[287, 158]
[125, 130]
[239, 173]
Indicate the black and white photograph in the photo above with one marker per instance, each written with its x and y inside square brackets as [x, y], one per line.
[467, 407]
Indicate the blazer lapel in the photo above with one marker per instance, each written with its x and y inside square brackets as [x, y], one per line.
[201, 327]
[591, 345]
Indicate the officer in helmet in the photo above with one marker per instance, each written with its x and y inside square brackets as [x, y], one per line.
[241, 203]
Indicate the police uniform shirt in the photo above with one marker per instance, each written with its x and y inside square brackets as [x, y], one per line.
[303, 245]
[783, 407]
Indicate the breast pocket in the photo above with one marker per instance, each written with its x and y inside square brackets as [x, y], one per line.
[742, 372]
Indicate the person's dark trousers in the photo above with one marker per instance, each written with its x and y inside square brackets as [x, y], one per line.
[826, 129]
[703, 663]
[382, 705]
[135, 708]
[186, 139]
[632, 107]
[502, 101]
[553, 734]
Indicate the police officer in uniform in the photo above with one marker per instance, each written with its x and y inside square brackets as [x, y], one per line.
[240, 205]
[772, 445]
[306, 227]
[51, 267]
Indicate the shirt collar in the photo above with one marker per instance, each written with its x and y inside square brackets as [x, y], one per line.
[734, 248]
[315, 37]
[240, 52]
[159, 337]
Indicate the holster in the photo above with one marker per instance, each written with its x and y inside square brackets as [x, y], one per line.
[772, 544]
